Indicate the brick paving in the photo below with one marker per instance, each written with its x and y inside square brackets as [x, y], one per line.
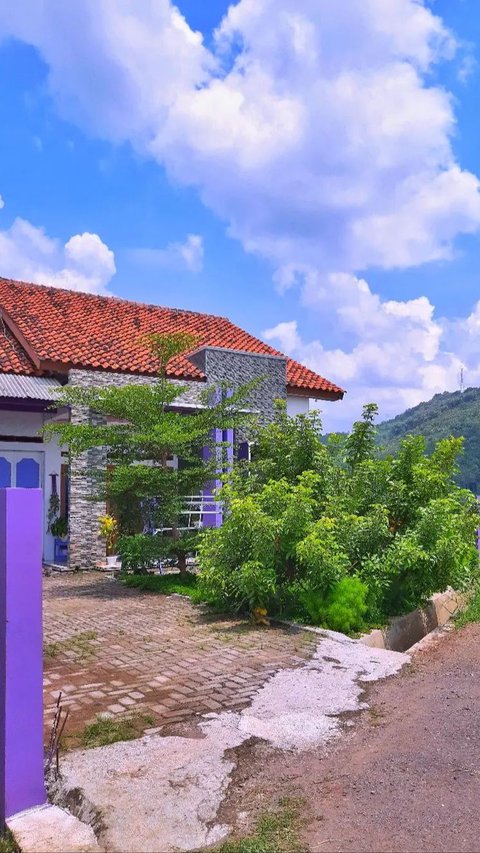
[117, 650]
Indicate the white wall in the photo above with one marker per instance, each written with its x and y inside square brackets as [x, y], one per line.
[30, 424]
[297, 405]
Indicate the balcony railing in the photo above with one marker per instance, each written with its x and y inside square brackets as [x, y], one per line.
[195, 513]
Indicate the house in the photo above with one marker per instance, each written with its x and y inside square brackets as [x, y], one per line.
[50, 337]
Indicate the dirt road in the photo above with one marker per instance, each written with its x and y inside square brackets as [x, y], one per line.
[406, 777]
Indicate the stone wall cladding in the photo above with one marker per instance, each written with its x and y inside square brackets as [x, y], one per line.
[236, 368]
[101, 379]
[86, 547]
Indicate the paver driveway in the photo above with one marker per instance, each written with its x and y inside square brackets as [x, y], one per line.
[112, 649]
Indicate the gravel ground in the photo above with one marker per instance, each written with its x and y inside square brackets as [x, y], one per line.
[406, 776]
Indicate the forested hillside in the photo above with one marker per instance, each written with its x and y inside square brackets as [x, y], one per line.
[446, 414]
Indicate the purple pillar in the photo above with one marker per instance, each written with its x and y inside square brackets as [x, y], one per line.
[212, 516]
[228, 439]
[21, 705]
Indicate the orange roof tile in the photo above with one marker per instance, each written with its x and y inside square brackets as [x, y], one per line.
[12, 357]
[72, 329]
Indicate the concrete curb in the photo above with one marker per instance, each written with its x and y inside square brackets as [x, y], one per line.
[403, 633]
[407, 631]
[47, 828]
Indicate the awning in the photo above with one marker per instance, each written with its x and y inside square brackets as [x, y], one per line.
[28, 387]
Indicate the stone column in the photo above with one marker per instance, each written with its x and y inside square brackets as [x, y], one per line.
[21, 651]
[86, 547]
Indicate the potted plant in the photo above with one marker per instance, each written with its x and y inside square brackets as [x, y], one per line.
[109, 532]
[59, 528]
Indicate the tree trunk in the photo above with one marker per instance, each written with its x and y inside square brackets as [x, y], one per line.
[181, 556]
[182, 563]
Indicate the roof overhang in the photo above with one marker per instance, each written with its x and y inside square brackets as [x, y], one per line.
[14, 387]
[313, 394]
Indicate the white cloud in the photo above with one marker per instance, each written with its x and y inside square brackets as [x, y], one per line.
[28, 253]
[315, 130]
[115, 67]
[176, 257]
[2, 203]
[391, 371]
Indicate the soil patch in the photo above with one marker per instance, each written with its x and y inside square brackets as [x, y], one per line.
[406, 775]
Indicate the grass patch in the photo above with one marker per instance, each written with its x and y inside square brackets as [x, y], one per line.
[8, 843]
[472, 610]
[164, 584]
[106, 730]
[276, 831]
[81, 644]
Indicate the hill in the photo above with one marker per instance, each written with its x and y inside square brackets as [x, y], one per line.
[446, 414]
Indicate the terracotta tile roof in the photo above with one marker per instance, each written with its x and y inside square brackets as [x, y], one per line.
[12, 357]
[69, 329]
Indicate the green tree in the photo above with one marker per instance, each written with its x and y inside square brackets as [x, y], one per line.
[360, 444]
[287, 446]
[333, 533]
[140, 431]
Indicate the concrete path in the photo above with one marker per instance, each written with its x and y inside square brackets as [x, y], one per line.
[164, 793]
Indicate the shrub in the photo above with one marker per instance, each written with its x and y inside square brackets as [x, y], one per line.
[351, 538]
[346, 605]
[173, 582]
[342, 609]
[321, 558]
[255, 551]
[140, 552]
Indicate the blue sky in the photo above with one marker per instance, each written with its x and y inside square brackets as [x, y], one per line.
[320, 191]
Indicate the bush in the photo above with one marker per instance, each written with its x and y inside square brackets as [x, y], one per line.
[352, 539]
[141, 552]
[343, 608]
[173, 582]
[346, 606]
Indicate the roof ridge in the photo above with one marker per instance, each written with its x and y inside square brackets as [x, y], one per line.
[114, 298]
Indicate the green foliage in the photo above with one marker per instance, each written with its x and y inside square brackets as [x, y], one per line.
[53, 511]
[343, 608]
[141, 552]
[360, 444]
[276, 831]
[59, 528]
[287, 446]
[138, 429]
[346, 605]
[321, 557]
[181, 584]
[105, 730]
[471, 613]
[354, 538]
[8, 843]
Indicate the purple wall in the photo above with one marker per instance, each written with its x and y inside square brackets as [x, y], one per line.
[21, 704]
